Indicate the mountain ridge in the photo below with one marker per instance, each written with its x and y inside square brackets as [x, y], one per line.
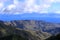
[35, 25]
[29, 29]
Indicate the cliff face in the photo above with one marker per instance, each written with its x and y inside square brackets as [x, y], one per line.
[27, 29]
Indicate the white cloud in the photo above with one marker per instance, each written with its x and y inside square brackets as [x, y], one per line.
[44, 12]
[36, 8]
[15, 2]
[46, 5]
[57, 12]
[17, 13]
[11, 7]
[3, 0]
[31, 6]
[1, 5]
[28, 6]
[57, 0]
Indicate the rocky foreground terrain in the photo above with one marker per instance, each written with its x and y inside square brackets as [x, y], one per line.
[29, 30]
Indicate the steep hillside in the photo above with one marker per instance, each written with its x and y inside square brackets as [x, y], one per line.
[52, 28]
[56, 37]
[27, 30]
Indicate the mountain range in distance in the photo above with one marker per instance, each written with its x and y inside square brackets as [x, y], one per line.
[35, 25]
[28, 30]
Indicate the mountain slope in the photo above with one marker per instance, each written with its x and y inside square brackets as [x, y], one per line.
[56, 37]
[28, 29]
[14, 29]
[52, 28]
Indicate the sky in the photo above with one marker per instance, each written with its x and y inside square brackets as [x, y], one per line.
[29, 6]
[37, 8]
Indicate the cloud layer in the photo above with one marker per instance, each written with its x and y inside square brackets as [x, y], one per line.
[28, 6]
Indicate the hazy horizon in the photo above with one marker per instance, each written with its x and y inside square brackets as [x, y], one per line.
[47, 10]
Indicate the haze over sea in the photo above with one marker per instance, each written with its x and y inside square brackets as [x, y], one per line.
[34, 16]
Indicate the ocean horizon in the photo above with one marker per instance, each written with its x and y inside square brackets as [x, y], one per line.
[34, 16]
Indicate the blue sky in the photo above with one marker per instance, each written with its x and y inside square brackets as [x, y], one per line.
[15, 9]
[29, 6]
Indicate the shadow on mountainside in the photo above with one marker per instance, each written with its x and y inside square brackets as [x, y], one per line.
[57, 37]
[13, 37]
